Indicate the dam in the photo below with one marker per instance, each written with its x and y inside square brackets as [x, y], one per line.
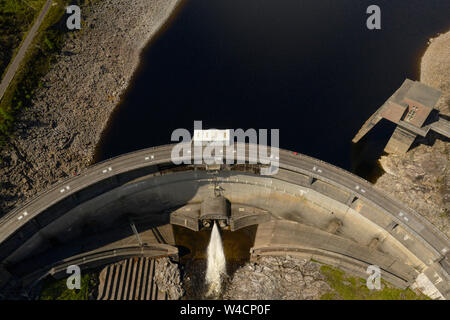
[128, 207]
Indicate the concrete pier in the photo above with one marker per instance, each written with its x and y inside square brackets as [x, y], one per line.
[412, 108]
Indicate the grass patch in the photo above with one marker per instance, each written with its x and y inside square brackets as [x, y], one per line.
[36, 63]
[346, 287]
[57, 289]
[16, 17]
[38, 59]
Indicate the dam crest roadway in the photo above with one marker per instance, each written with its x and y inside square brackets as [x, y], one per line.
[309, 209]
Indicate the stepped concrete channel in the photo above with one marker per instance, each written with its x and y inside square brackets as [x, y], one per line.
[131, 279]
[124, 208]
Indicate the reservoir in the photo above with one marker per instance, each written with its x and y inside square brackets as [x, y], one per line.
[309, 68]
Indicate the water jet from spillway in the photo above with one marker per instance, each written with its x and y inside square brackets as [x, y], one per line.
[216, 263]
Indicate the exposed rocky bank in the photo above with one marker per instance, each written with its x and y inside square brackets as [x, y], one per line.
[168, 278]
[56, 136]
[420, 178]
[278, 278]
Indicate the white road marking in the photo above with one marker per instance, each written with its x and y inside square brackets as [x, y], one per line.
[105, 171]
[363, 191]
[109, 169]
[357, 187]
[152, 156]
[314, 168]
[406, 219]
[319, 170]
[401, 214]
[25, 214]
[146, 158]
[20, 217]
[62, 190]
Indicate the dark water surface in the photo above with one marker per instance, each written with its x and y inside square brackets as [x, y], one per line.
[308, 67]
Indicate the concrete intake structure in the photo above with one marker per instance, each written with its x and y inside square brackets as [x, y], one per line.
[411, 107]
[126, 207]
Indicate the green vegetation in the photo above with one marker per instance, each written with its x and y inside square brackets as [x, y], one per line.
[16, 17]
[57, 289]
[35, 64]
[346, 287]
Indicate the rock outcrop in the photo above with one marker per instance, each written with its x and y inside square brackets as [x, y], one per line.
[168, 279]
[278, 278]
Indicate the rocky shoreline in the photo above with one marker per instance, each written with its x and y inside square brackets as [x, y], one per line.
[57, 135]
[278, 278]
[421, 177]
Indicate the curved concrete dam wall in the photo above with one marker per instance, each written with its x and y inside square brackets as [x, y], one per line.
[125, 206]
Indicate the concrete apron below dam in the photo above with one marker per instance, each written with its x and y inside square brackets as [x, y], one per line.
[134, 214]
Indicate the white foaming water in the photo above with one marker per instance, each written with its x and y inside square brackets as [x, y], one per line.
[216, 267]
